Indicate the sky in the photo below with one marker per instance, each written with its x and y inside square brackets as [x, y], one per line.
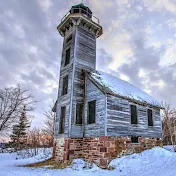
[137, 45]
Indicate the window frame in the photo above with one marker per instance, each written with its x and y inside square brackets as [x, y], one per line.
[69, 38]
[88, 119]
[67, 60]
[133, 142]
[136, 114]
[61, 120]
[64, 93]
[148, 109]
[79, 124]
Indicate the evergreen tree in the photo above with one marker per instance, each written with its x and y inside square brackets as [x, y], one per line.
[19, 133]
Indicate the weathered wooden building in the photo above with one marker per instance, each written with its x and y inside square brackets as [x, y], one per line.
[98, 116]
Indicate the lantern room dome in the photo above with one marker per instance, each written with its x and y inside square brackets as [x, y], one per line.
[81, 9]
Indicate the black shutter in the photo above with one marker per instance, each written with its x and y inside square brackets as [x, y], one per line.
[79, 113]
[133, 114]
[150, 117]
[134, 139]
[65, 85]
[67, 57]
[91, 112]
[62, 119]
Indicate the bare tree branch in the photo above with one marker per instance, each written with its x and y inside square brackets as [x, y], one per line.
[12, 101]
[169, 125]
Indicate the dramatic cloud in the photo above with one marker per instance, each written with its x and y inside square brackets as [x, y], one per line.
[138, 45]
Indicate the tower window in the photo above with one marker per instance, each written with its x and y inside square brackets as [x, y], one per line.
[62, 119]
[134, 139]
[133, 114]
[150, 117]
[67, 57]
[65, 85]
[69, 39]
[91, 112]
[79, 113]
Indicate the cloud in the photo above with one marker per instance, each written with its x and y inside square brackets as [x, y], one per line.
[137, 45]
[103, 59]
[45, 4]
[160, 5]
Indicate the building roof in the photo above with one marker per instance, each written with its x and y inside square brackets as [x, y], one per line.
[79, 5]
[115, 86]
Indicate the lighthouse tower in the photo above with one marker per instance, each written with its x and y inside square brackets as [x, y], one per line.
[80, 29]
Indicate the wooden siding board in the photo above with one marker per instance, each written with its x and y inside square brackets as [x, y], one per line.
[119, 123]
[85, 58]
[93, 93]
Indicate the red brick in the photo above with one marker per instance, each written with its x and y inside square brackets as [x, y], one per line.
[71, 152]
[103, 162]
[111, 139]
[103, 138]
[104, 149]
[106, 144]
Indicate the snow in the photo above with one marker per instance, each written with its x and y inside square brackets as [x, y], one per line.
[170, 148]
[122, 88]
[157, 161]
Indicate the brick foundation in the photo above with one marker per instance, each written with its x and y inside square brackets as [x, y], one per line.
[101, 150]
[58, 149]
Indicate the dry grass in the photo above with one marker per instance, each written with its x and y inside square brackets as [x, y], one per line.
[50, 164]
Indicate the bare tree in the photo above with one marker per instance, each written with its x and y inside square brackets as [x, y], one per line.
[37, 138]
[12, 101]
[33, 140]
[48, 129]
[169, 125]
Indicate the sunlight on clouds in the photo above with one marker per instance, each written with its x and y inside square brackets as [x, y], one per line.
[168, 5]
[33, 49]
[124, 77]
[156, 44]
[100, 6]
[148, 91]
[45, 4]
[161, 83]
[118, 45]
[169, 56]
[139, 8]
[141, 73]
[49, 86]
[123, 2]
[171, 23]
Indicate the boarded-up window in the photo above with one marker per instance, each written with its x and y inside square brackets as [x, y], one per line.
[91, 112]
[67, 57]
[69, 39]
[150, 117]
[62, 119]
[79, 113]
[133, 114]
[65, 85]
[134, 139]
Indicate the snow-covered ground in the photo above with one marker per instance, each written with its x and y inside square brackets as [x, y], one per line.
[170, 148]
[157, 161]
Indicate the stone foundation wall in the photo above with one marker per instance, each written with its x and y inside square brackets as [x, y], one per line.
[102, 150]
[58, 149]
